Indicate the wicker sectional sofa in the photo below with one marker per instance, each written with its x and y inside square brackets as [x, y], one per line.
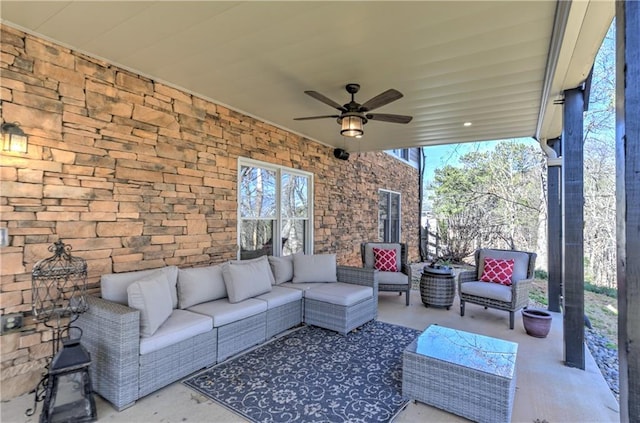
[153, 327]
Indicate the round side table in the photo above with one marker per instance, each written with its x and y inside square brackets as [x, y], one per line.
[437, 289]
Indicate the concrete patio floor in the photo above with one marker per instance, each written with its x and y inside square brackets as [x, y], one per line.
[546, 389]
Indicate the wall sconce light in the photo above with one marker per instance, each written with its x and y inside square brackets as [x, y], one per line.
[352, 124]
[13, 138]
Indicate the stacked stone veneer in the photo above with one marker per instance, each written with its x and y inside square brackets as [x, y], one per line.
[135, 174]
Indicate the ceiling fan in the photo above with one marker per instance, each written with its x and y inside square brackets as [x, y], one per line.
[354, 115]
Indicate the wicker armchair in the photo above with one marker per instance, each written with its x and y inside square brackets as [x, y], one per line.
[389, 281]
[509, 298]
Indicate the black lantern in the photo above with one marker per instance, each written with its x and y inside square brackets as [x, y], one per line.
[59, 285]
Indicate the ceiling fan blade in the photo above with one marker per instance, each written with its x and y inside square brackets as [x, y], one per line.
[325, 100]
[383, 117]
[317, 117]
[381, 99]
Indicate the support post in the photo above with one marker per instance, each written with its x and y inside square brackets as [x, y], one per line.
[628, 204]
[572, 234]
[554, 229]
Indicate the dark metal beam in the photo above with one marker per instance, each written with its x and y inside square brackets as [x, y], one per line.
[554, 230]
[572, 234]
[628, 204]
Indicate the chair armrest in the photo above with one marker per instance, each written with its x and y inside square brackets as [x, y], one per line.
[406, 269]
[111, 334]
[520, 292]
[467, 276]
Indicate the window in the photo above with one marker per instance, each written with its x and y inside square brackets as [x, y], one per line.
[274, 210]
[389, 216]
[402, 153]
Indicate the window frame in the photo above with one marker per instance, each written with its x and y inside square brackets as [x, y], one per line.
[279, 218]
[389, 194]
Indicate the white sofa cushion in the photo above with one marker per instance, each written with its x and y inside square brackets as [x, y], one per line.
[200, 284]
[180, 326]
[393, 278]
[246, 279]
[304, 287]
[339, 293]
[494, 291]
[223, 312]
[314, 268]
[152, 297]
[282, 268]
[260, 259]
[369, 258]
[113, 287]
[520, 265]
[280, 296]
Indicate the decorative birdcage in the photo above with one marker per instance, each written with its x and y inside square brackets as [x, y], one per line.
[59, 288]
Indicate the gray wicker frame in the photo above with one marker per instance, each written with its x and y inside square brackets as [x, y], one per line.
[519, 289]
[405, 268]
[111, 334]
[470, 393]
[238, 336]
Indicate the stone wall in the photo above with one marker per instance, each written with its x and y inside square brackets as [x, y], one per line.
[135, 174]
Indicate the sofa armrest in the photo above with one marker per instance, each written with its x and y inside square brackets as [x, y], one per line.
[361, 276]
[111, 334]
[358, 276]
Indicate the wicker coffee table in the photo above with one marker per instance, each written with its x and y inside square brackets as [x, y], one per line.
[437, 289]
[463, 373]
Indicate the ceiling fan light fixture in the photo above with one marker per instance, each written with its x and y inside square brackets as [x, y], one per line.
[352, 126]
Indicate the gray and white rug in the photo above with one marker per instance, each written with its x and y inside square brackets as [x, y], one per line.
[315, 375]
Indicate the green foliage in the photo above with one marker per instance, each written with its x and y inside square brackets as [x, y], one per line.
[599, 289]
[491, 199]
[541, 274]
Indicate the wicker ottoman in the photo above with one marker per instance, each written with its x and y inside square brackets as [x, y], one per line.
[339, 306]
[463, 373]
[437, 289]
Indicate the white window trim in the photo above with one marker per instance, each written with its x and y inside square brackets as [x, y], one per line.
[243, 161]
[399, 210]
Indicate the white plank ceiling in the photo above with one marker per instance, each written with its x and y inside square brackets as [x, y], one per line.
[491, 63]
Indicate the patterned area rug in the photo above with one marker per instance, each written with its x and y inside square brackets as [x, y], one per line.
[315, 375]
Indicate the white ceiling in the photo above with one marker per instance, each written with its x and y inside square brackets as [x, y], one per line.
[486, 62]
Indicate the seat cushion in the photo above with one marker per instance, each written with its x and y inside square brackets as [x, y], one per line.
[339, 293]
[280, 296]
[180, 326]
[223, 312]
[304, 287]
[520, 265]
[369, 258]
[494, 291]
[393, 278]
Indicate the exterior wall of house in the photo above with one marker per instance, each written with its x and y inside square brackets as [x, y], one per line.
[134, 174]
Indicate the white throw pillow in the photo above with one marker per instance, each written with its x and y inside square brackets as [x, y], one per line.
[152, 297]
[282, 268]
[247, 279]
[199, 285]
[314, 268]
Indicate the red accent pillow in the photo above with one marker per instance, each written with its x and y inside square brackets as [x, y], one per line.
[385, 260]
[497, 271]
